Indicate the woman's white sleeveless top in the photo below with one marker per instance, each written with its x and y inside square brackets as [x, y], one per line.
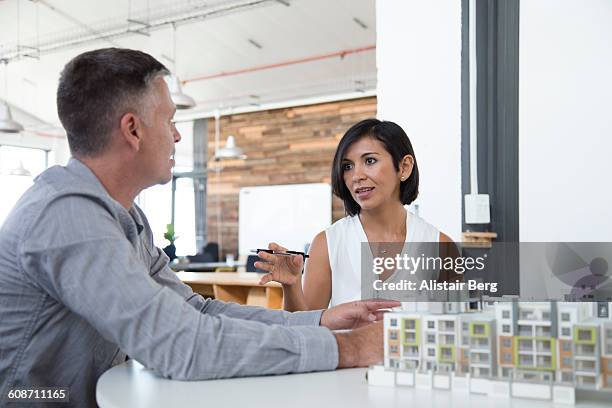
[344, 238]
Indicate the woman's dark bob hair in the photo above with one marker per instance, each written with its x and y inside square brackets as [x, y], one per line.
[396, 142]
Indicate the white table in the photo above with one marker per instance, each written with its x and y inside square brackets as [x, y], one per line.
[132, 385]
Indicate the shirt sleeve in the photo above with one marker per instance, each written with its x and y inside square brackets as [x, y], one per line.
[162, 274]
[80, 255]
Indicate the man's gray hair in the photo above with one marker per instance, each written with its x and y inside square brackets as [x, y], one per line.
[97, 88]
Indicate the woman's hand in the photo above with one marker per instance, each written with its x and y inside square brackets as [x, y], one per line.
[282, 269]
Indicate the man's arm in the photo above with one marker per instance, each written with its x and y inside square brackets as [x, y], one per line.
[92, 269]
[163, 275]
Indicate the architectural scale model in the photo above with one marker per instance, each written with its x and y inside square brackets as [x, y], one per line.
[558, 351]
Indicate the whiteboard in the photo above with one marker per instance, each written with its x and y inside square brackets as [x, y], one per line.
[290, 215]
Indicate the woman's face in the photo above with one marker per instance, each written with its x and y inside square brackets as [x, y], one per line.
[369, 173]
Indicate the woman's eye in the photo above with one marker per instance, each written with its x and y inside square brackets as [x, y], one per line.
[347, 166]
[370, 160]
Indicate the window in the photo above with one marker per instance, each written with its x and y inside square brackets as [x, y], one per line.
[530, 376]
[587, 380]
[156, 202]
[393, 322]
[585, 349]
[505, 314]
[393, 335]
[393, 349]
[565, 331]
[431, 338]
[565, 317]
[507, 358]
[505, 328]
[431, 324]
[543, 331]
[507, 343]
[566, 346]
[411, 351]
[584, 334]
[409, 324]
[411, 365]
[479, 329]
[567, 377]
[18, 167]
[566, 361]
[431, 352]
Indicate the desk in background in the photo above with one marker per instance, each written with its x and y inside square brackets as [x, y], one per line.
[203, 266]
[239, 287]
[131, 385]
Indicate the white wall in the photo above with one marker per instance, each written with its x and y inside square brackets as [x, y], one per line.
[565, 122]
[59, 152]
[565, 125]
[418, 55]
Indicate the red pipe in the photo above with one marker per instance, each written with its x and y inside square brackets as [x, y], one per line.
[47, 134]
[341, 54]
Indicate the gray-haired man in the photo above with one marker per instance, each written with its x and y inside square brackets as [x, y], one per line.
[82, 285]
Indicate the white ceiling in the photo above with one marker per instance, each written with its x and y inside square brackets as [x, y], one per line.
[51, 32]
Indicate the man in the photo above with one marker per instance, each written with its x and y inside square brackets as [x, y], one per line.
[82, 285]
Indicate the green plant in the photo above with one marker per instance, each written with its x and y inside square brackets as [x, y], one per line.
[169, 234]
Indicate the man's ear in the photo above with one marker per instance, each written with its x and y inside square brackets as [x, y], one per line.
[405, 167]
[131, 130]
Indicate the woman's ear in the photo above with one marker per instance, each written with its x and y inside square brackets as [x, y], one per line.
[405, 167]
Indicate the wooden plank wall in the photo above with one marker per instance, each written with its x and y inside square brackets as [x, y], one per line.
[284, 146]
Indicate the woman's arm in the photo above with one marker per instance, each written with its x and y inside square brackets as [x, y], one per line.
[317, 275]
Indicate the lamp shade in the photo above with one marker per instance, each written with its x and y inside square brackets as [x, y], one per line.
[181, 100]
[20, 171]
[230, 151]
[7, 124]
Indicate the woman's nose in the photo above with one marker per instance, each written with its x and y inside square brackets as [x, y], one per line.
[358, 173]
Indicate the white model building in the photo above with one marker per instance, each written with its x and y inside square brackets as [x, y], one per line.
[514, 349]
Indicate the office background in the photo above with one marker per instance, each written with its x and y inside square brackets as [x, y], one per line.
[287, 78]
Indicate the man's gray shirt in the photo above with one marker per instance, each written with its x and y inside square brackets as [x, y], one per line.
[82, 285]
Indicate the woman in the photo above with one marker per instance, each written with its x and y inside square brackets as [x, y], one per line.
[375, 173]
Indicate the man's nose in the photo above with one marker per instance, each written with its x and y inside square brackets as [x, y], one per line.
[177, 135]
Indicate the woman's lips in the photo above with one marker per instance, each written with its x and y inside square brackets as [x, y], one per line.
[365, 193]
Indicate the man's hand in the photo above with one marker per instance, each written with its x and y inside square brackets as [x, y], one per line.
[282, 269]
[361, 347]
[356, 314]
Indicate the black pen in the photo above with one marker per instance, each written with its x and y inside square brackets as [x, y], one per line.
[286, 253]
